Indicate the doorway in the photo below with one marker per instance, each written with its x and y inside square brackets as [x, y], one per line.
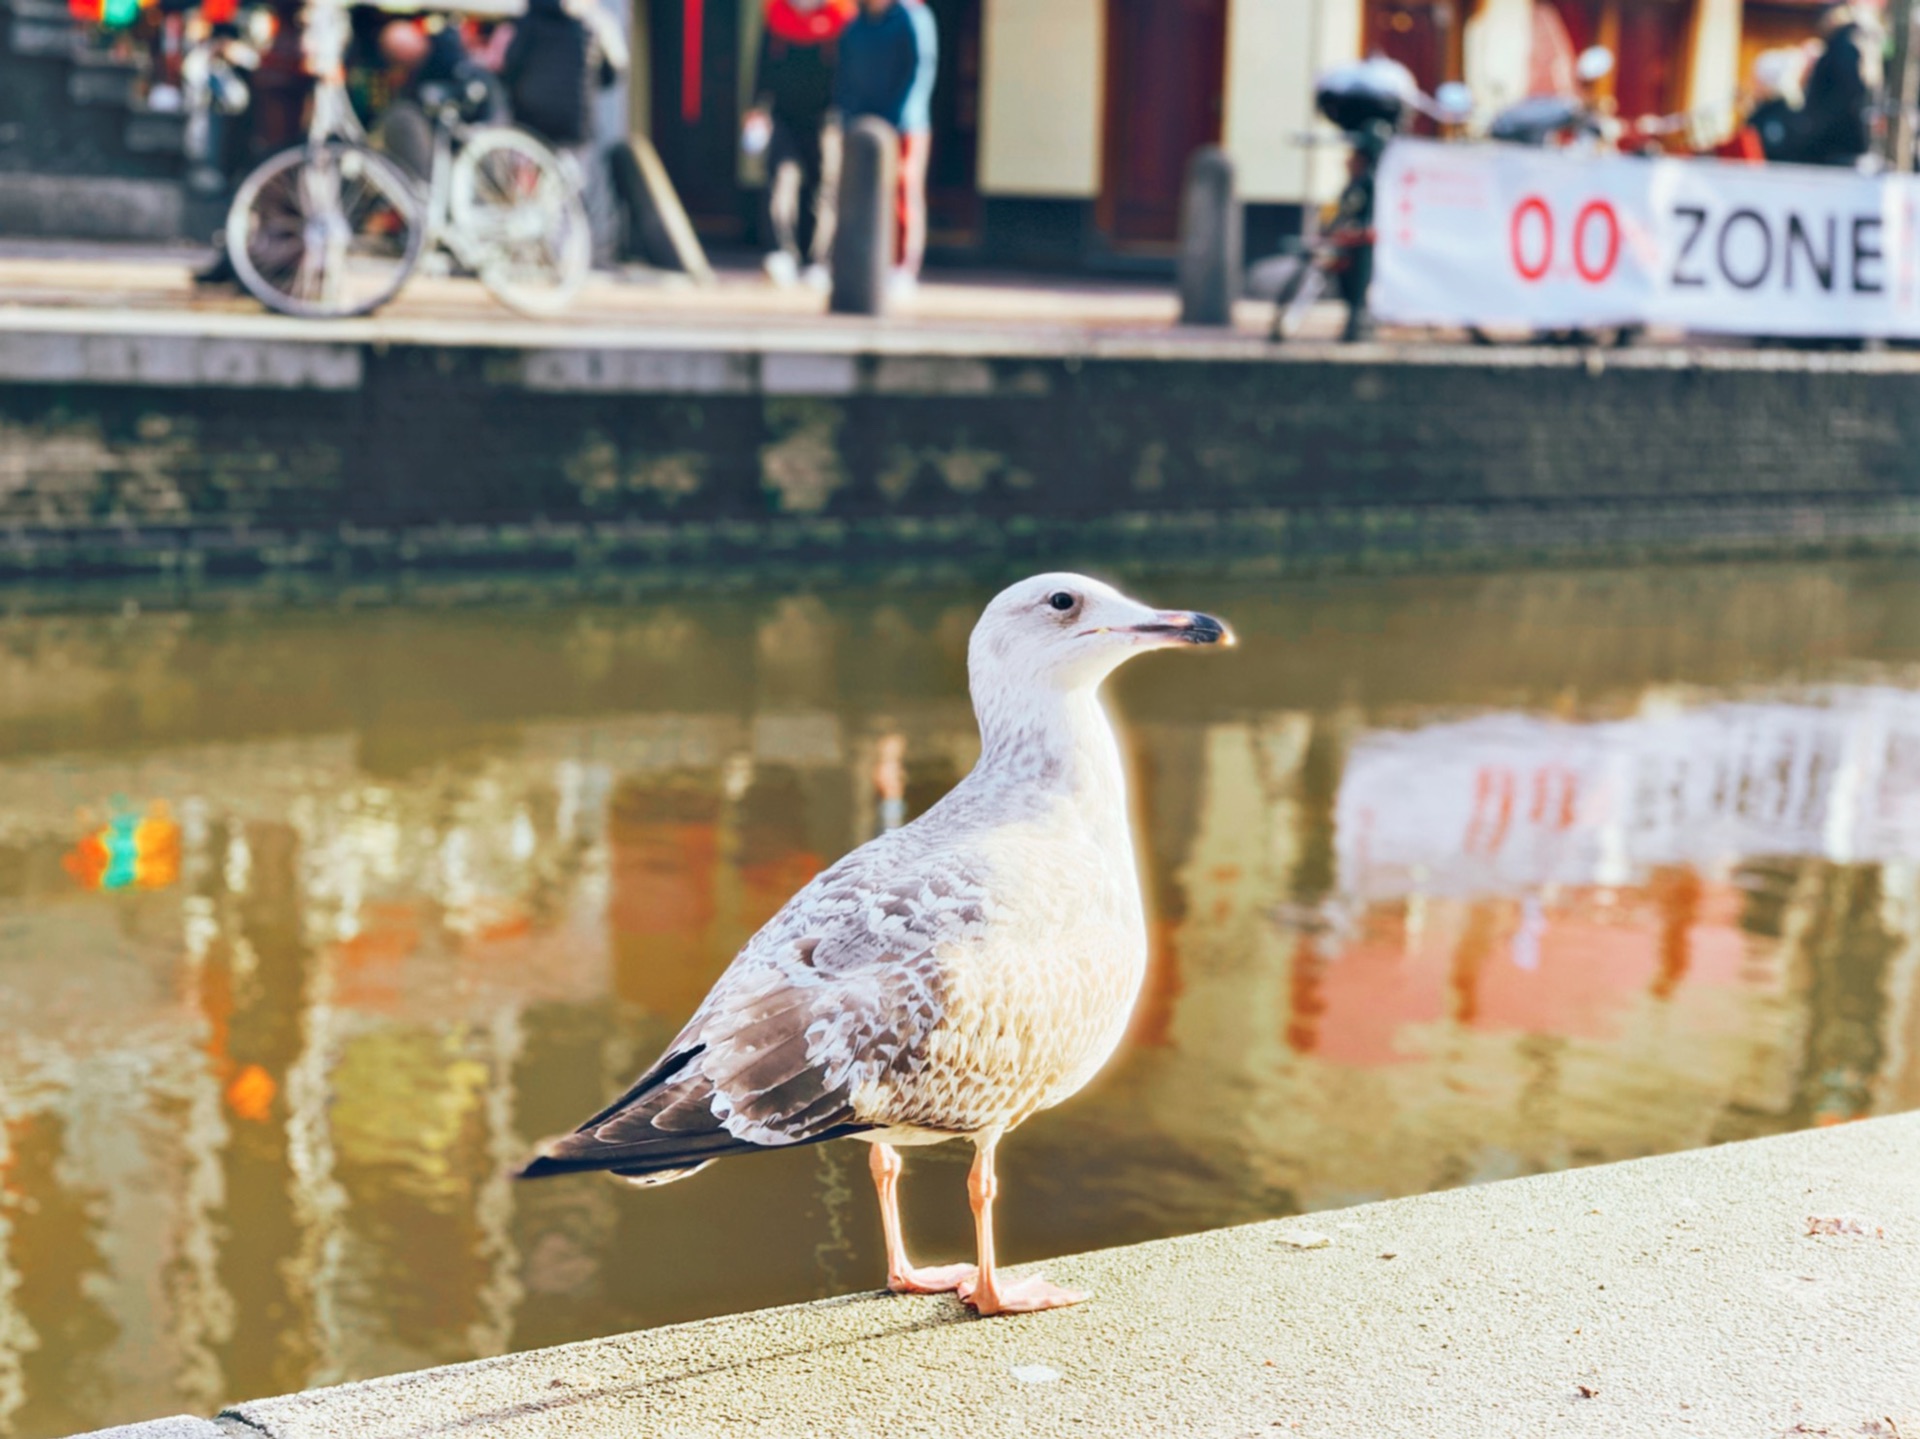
[1651, 59]
[1165, 73]
[953, 196]
[694, 70]
[1649, 43]
[1420, 34]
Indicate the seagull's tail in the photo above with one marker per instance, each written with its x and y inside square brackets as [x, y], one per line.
[554, 1158]
[656, 1133]
[652, 1163]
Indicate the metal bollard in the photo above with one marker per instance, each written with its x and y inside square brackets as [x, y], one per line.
[864, 234]
[1210, 240]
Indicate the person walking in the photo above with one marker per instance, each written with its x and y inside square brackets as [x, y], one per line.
[552, 70]
[554, 66]
[916, 143]
[1776, 117]
[793, 92]
[879, 65]
[1836, 128]
[424, 59]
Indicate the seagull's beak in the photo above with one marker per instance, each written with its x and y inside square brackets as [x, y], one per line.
[1185, 627]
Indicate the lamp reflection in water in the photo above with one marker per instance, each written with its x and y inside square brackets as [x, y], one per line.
[131, 850]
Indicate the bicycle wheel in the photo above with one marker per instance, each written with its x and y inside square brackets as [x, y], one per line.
[1296, 300]
[515, 213]
[326, 230]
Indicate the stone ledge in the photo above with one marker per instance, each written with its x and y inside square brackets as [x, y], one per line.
[1671, 1296]
[1272, 541]
[176, 361]
[674, 354]
[180, 1426]
[87, 206]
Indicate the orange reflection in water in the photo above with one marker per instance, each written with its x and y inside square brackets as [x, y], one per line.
[369, 968]
[775, 856]
[663, 841]
[1573, 966]
[250, 1096]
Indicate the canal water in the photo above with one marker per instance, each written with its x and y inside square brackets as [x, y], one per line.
[314, 916]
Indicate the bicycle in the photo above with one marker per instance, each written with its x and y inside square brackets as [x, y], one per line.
[1367, 100]
[1328, 263]
[332, 228]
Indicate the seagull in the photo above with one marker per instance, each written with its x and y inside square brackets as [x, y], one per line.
[949, 978]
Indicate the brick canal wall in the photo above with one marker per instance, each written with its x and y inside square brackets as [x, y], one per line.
[261, 448]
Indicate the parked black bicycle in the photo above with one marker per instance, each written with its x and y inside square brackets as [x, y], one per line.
[1370, 101]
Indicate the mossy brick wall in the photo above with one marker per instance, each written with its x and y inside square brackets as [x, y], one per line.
[412, 454]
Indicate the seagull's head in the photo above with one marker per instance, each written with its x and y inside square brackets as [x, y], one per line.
[1067, 632]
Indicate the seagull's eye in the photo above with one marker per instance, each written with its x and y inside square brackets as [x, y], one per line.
[1061, 600]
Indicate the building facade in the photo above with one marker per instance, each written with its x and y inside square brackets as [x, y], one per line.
[1062, 127]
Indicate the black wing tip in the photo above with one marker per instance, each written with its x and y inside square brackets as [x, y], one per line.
[542, 1165]
[634, 1163]
[566, 1155]
[668, 1067]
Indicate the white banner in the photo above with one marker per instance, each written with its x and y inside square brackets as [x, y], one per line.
[1507, 803]
[1498, 235]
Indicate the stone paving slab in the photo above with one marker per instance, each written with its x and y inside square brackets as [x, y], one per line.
[180, 1426]
[728, 355]
[1763, 1289]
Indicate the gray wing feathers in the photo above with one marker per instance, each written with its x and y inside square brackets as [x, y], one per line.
[754, 1087]
[826, 1010]
[799, 1055]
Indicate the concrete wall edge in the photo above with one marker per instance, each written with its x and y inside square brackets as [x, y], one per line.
[1578, 1293]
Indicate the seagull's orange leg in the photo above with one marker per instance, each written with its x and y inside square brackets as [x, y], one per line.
[902, 1277]
[989, 1293]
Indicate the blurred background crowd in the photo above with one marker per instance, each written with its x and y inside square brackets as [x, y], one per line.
[1052, 133]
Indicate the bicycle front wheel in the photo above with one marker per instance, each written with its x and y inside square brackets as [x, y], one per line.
[325, 230]
[515, 210]
[1295, 302]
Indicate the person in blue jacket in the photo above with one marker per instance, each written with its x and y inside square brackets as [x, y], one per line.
[880, 64]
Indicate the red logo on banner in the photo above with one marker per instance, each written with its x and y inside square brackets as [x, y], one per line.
[1532, 205]
[1596, 210]
[1530, 239]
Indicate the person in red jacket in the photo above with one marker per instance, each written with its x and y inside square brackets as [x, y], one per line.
[793, 90]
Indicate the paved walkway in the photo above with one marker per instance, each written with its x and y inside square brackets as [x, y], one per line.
[77, 288]
[154, 281]
[1756, 1291]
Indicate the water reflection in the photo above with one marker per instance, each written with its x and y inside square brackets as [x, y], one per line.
[310, 924]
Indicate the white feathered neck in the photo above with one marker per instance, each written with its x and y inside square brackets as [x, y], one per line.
[1040, 739]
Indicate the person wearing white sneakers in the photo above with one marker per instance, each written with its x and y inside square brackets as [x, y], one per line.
[788, 124]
